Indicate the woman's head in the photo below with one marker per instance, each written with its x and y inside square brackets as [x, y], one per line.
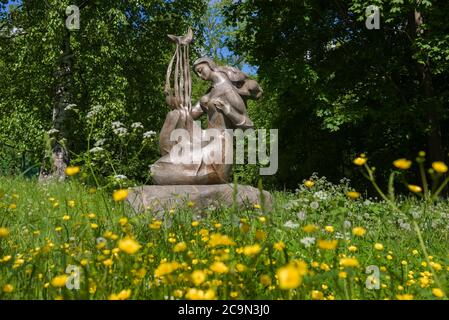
[204, 67]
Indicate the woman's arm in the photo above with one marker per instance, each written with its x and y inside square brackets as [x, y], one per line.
[196, 111]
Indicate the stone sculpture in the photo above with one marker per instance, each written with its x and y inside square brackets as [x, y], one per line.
[225, 107]
[203, 181]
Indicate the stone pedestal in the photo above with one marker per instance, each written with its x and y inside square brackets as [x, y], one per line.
[159, 198]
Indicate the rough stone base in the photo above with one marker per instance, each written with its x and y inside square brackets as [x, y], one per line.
[158, 198]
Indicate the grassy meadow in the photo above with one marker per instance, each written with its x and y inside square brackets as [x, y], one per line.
[69, 241]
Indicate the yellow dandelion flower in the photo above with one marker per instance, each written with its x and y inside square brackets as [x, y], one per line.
[217, 239]
[342, 275]
[122, 295]
[59, 281]
[240, 267]
[359, 231]
[71, 203]
[439, 167]
[123, 221]
[309, 183]
[195, 223]
[197, 294]
[379, 246]
[198, 277]
[256, 206]
[289, 277]
[166, 268]
[329, 229]
[317, 295]
[128, 245]
[352, 248]
[251, 250]
[404, 297]
[219, 267]
[108, 262]
[327, 244]
[190, 204]
[353, 194]
[414, 188]
[349, 262]
[4, 232]
[66, 217]
[309, 228]
[71, 171]
[402, 164]
[359, 161]
[120, 195]
[180, 246]
[437, 292]
[279, 246]
[8, 288]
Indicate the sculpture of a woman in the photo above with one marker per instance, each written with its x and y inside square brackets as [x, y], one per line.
[225, 107]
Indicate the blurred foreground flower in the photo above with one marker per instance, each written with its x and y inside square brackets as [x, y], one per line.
[353, 194]
[402, 164]
[4, 232]
[120, 195]
[414, 188]
[439, 167]
[59, 281]
[71, 171]
[128, 245]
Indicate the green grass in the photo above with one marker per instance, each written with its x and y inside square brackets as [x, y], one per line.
[41, 245]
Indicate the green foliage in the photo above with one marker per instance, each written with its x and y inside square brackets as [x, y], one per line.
[334, 88]
[120, 58]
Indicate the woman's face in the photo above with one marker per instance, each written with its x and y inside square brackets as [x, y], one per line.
[203, 71]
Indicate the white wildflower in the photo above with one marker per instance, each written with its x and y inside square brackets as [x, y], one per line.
[137, 125]
[321, 195]
[100, 142]
[120, 177]
[52, 131]
[290, 224]
[121, 132]
[94, 111]
[116, 125]
[307, 241]
[314, 205]
[301, 215]
[96, 150]
[148, 134]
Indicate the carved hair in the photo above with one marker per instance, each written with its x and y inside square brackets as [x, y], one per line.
[237, 77]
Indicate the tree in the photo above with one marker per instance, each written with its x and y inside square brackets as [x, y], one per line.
[339, 88]
[116, 60]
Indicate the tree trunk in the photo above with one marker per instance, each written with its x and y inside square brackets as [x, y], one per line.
[434, 143]
[59, 158]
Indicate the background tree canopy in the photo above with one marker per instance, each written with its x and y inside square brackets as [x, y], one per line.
[332, 87]
[335, 88]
